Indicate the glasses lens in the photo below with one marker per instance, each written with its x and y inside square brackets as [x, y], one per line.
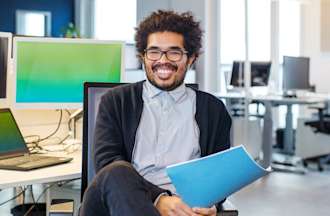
[154, 54]
[174, 55]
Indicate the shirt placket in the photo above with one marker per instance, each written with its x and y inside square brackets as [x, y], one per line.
[164, 121]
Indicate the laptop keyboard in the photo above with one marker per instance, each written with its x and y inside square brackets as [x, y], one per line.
[26, 160]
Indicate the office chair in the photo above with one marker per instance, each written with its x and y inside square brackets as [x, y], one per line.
[93, 92]
[321, 125]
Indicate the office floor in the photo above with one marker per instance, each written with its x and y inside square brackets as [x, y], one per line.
[286, 194]
[279, 193]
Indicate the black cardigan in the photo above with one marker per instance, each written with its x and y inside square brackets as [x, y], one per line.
[120, 113]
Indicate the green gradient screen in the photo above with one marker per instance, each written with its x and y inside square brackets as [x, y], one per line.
[54, 72]
[10, 137]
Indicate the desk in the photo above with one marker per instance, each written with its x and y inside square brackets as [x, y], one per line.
[62, 172]
[269, 102]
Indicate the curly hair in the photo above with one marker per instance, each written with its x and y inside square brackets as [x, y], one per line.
[170, 21]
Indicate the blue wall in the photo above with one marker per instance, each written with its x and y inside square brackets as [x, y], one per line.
[62, 13]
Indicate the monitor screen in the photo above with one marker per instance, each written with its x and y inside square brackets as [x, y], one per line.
[5, 47]
[11, 140]
[295, 73]
[260, 72]
[50, 72]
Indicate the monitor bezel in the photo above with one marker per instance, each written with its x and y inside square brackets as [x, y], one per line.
[57, 105]
[9, 57]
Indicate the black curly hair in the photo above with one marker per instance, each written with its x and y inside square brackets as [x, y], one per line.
[161, 21]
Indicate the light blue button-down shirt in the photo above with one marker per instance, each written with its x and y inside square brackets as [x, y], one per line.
[167, 134]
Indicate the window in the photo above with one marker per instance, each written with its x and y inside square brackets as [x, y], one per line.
[233, 30]
[115, 20]
[33, 23]
[289, 28]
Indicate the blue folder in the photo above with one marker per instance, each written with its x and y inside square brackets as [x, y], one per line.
[205, 181]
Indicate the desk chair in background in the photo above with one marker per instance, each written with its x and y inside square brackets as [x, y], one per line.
[93, 92]
[320, 125]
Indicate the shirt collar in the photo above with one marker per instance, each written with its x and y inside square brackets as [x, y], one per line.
[176, 94]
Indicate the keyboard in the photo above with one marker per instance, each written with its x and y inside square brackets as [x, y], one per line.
[30, 161]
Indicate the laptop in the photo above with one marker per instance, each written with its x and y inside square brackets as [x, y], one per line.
[14, 153]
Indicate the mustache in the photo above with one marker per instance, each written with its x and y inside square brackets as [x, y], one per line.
[168, 65]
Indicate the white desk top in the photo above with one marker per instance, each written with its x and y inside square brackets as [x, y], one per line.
[308, 99]
[67, 171]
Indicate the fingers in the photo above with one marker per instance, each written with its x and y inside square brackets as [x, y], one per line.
[205, 211]
[186, 209]
[174, 206]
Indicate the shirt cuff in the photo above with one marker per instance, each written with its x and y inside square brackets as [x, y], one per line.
[157, 199]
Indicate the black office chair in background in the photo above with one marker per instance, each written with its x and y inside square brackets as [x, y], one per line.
[93, 92]
[320, 125]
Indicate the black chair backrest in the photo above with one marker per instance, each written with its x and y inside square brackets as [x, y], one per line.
[93, 92]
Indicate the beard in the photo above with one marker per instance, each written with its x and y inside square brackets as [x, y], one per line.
[166, 87]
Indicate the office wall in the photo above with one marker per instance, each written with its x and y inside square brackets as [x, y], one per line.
[62, 12]
[311, 45]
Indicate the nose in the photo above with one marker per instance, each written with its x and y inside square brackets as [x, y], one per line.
[163, 58]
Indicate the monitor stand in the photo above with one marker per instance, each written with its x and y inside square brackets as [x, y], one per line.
[72, 135]
[289, 94]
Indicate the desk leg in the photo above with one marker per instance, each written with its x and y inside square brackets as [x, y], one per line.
[267, 136]
[47, 199]
[288, 145]
[286, 162]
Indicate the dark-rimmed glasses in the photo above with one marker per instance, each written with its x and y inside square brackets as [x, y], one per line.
[171, 54]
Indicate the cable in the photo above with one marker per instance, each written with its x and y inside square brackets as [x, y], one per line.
[35, 146]
[57, 128]
[32, 195]
[17, 195]
[23, 193]
[69, 122]
[44, 191]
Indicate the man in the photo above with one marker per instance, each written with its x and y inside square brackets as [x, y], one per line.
[143, 127]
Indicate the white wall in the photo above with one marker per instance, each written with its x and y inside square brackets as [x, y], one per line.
[320, 61]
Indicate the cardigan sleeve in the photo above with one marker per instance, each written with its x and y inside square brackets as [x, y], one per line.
[108, 141]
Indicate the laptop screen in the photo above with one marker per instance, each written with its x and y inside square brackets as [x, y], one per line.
[11, 140]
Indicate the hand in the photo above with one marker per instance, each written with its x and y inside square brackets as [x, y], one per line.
[174, 206]
[206, 211]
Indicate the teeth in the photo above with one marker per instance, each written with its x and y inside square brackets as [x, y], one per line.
[162, 71]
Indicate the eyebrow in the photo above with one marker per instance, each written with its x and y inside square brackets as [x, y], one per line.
[169, 48]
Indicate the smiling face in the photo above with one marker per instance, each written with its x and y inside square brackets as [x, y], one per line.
[164, 73]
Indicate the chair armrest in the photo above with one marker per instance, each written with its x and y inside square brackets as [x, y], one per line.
[227, 209]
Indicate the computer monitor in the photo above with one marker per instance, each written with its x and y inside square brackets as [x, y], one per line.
[295, 73]
[5, 55]
[50, 72]
[260, 72]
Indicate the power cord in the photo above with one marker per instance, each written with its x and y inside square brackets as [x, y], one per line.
[60, 184]
[14, 197]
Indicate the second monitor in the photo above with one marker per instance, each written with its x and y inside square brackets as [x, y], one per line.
[260, 72]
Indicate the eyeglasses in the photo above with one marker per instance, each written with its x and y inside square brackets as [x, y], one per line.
[172, 54]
